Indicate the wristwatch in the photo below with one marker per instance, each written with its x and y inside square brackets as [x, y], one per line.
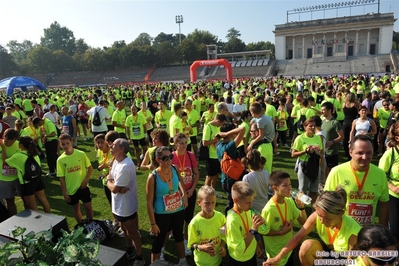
[253, 232]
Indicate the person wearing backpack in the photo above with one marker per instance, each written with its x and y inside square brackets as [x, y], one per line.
[232, 137]
[97, 119]
[29, 173]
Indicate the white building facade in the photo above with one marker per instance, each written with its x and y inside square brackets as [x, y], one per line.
[335, 38]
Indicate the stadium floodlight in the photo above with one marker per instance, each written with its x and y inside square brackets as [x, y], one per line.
[179, 20]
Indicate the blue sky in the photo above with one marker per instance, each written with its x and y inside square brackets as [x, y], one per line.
[101, 22]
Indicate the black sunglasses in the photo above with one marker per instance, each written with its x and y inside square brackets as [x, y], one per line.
[167, 157]
[380, 261]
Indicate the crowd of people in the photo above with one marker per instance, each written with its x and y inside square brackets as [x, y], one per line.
[353, 205]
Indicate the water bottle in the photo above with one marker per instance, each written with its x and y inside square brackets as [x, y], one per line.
[301, 196]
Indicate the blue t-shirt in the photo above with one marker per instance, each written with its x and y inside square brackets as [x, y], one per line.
[231, 149]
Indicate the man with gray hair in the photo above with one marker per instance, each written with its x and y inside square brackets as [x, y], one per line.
[122, 182]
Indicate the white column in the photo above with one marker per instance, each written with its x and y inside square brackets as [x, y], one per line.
[368, 42]
[313, 46]
[303, 47]
[334, 44]
[346, 43]
[356, 43]
[324, 45]
[293, 47]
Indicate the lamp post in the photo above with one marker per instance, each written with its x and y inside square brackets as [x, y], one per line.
[179, 20]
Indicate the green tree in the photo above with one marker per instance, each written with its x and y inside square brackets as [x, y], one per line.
[202, 36]
[232, 33]
[143, 39]
[93, 59]
[7, 64]
[19, 51]
[40, 57]
[188, 50]
[163, 37]
[166, 53]
[112, 58]
[59, 38]
[81, 46]
[60, 61]
[234, 45]
[260, 46]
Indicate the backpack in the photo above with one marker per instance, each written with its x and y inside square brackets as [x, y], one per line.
[300, 122]
[310, 167]
[96, 118]
[101, 229]
[233, 168]
[319, 98]
[32, 169]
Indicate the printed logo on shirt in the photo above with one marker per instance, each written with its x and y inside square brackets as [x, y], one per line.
[73, 169]
[276, 219]
[198, 232]
[347, 182]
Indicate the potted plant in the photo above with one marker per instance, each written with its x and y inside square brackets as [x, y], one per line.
[75, 248]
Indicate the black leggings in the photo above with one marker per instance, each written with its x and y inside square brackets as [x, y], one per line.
[167, 222]
[394, 216]
[346, 128]
[51, 153]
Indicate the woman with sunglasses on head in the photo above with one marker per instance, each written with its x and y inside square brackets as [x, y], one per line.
[186, 164]
[336, 230]
[166, 201]
[380, 245]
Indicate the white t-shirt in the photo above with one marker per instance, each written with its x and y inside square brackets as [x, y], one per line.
[259, 180]
[124, 174]
[53, 117]
[104, 114]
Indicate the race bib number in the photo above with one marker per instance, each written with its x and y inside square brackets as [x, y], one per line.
[136, 131]
[65, 129]
[172, 202]
[7, 170]
[362, 213]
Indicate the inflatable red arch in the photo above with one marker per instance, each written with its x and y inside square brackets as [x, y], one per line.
[215, 62]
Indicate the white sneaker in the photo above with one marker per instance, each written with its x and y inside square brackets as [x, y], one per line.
[162, 257]
[86, 138]
[120, 232]
[187, 251]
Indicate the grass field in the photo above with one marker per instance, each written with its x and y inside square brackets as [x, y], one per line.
[102, 211]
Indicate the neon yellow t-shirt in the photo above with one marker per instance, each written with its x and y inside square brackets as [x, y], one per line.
[135, 125]
[162, 118]
[201, 231]
[192, 117]
[49, 127]
[175, 123]
[17, 160]
[210, 132]
[361, 208]
[74, 168]
[272, 218]
[384, 164]
[7, 174]
[271, 111]
[147, 115]
[208, 117]
[302, 142]
[236, 233]
[349, 227]
[120, 118]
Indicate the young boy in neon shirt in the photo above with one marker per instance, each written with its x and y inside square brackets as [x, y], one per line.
[74, 170]
[203, 231]
[280, 213]
[242, 225]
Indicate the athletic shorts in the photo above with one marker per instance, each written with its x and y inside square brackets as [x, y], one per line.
[142, 142]
[32, 187]
[10, 189]
[80, 195]
[125, 219]
[212, 167]
[84, 121]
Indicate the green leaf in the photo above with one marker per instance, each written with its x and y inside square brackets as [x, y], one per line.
[15, 261]
[11, 246]
[71, 253]
[18, 231]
